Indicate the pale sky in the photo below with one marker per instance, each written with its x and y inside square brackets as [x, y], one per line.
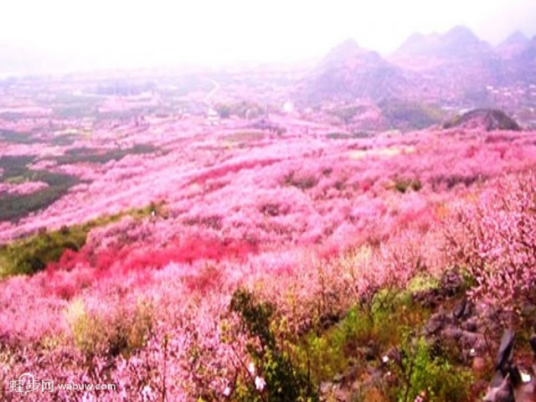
[151, 32]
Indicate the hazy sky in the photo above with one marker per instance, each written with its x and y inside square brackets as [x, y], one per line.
[201, 31]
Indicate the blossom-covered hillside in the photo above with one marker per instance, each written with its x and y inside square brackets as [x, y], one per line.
[237, 263]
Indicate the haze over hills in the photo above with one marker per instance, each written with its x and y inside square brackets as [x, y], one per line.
[459, 42]
[457, 60]
[452, 67]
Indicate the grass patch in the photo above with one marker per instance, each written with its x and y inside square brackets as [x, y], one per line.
[379, 335]
[16, 137]
[244, 136]
[63, 139]
[32, 254]
[410, 115]
[359, 342]
[101, 156]
[12, 116]
[16, 206]
[364, 333]
[70, 106]
[349, 136]
[430, 376]
[15, 165]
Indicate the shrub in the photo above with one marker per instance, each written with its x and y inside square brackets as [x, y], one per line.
[434, 376]
[303, 182]
[121, 332]
[365, 331]
[277, 379]
[403, 185]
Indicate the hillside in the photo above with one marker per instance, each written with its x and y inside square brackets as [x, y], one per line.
[457, 62]
[361, 229]
[348, 73]
[184, 258]
[524, 64]
[513, 46]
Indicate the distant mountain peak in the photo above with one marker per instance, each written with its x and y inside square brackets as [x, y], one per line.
[460, 30]
[348, 44]
[461, 34]
[349, 72]
[459, 41]
[517, 38]
[415, 37]
[348, 47]
[350, 50]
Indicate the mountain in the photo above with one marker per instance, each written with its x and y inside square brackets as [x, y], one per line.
[528, 55]
[513, 46]
[349, 72]
[457, 62]
[517, 38]
[524, 64]
[459, 42]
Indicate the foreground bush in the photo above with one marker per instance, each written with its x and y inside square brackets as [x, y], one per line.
[431, 377]
[271, 376]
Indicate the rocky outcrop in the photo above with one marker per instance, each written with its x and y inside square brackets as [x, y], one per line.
[484, 119]
[511, 382]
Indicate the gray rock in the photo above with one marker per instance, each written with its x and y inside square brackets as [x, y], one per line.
[506, 349]
[459, 310]
[452, 332]
[470, 325]
[437, 323]
[469, 339]
[503, 393]
[433, 327]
